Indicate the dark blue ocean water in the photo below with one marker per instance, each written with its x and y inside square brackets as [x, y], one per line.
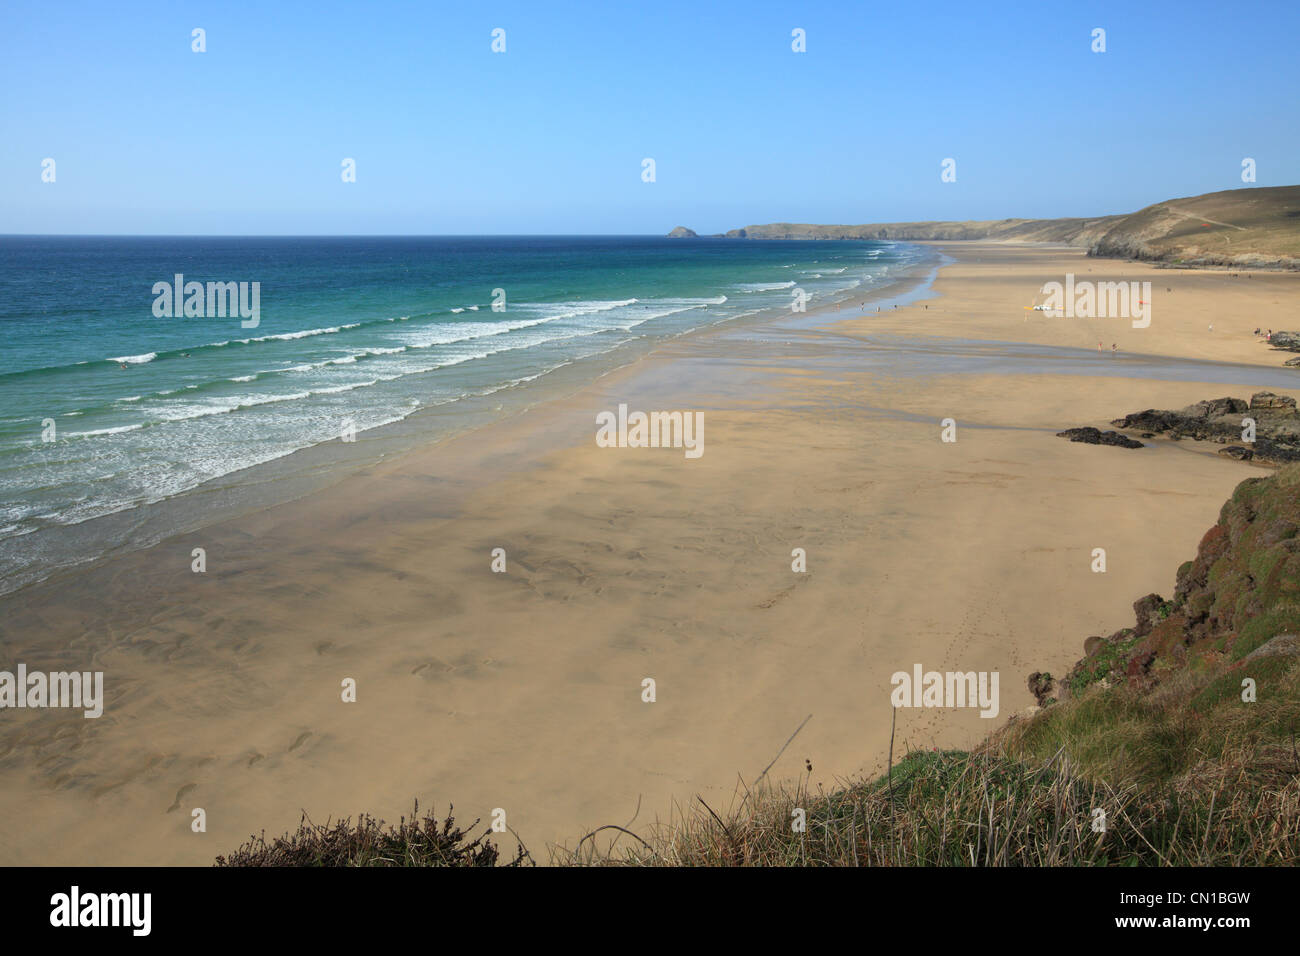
[106, 405]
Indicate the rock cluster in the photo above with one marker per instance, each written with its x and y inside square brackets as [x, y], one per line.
[1094, 436]
[1277, 426]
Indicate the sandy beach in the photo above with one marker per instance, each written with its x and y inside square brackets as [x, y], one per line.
[522, 690]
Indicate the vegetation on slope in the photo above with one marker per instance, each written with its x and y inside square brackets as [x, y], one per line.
[1181, 730]
[1257, 227]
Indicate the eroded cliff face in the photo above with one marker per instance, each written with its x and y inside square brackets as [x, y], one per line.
[1235, 609]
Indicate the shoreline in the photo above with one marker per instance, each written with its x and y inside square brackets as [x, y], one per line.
[498, 690]
[307, 470]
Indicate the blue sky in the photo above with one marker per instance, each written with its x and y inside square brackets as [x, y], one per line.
[549, 137]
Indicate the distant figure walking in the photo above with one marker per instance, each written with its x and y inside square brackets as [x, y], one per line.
[1113, 348]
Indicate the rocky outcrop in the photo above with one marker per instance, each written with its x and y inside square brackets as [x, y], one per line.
[681, 232]
[1234, 604]
[1093, 436]
[1277, 426]
[1285, 341]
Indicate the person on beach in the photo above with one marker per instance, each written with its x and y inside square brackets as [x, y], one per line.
[1113, 348]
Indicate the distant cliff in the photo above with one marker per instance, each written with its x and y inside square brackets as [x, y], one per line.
[1079, 232]
[1247, 228]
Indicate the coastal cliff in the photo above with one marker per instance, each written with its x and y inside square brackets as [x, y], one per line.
[1254, 228]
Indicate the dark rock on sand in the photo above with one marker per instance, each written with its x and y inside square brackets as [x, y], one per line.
[1269, 400]
[1287, 341]
[1092, 436]
[1042, 686]
[1277, 426]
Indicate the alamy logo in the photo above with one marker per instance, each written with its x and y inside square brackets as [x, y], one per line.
[56, 689]
[653, 430]
[103, 909]
[214, 300]
[1099, 300]
[951, 689]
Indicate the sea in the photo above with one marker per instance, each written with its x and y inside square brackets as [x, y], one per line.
[114, 400]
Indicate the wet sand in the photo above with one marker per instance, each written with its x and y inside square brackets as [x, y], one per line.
[523, 690]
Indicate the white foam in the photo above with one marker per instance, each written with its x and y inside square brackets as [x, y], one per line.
[765, 286]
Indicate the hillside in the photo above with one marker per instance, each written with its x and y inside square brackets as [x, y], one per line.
[1240, 227]
[1247, 228]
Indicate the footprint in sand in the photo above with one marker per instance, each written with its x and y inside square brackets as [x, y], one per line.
[299, 742]
[180, 793]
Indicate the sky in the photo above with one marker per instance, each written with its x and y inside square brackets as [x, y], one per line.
[549, 136]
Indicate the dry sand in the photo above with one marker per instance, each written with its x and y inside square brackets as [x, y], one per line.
[523, 690]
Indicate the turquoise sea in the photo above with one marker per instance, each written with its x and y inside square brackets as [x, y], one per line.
[107, 405]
